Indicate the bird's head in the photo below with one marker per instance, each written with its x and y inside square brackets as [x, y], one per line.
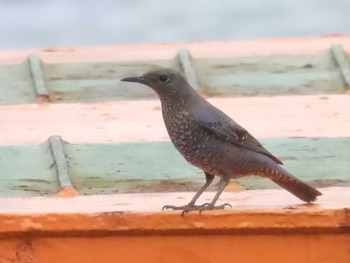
[165, 82]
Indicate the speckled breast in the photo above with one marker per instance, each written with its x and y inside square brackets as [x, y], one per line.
[194, 142]
[205, 150]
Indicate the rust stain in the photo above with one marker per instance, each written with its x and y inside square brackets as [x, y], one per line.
[25, 252]
[68, 191]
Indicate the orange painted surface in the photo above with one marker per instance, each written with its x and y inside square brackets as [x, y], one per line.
[68, 191]
[298, 248]
[107, 229]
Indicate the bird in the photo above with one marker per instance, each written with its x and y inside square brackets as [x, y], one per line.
[213, 142]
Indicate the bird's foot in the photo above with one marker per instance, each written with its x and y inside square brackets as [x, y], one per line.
[190, 207]
[209, 206]
[185, 208]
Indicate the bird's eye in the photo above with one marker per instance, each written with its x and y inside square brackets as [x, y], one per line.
[163, 78]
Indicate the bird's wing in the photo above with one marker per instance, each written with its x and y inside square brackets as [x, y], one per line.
[227, 129]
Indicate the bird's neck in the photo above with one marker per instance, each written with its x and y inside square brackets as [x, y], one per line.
[173, 101]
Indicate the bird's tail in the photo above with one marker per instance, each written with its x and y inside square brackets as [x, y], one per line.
[292, 184]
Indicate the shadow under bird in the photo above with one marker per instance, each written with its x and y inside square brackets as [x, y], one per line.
[210, 140]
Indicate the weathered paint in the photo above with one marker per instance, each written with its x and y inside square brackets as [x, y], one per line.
[313, 45]
[267, 225]
[27, 170]
[188, 248]
[270, 75]
[343, 64]
[141, 121]
[333, 198]
[157, 166]
[99, 229]
[16, 85]
[99, 81]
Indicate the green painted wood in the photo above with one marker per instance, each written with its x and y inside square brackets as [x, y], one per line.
[245, 76]
[185, 63]
[157, 166]
[60, 160]
[97, 81]
[27, 171]
[16, 85]
[132, 167]
[38, 76]
[105, 168]
[321, 161]
[270, 75]
[342, 62]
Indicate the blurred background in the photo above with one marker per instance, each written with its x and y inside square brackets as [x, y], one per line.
[41, 23]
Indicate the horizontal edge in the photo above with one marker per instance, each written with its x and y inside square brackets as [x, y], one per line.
[255, 212]
[199, 49]
[172, 223]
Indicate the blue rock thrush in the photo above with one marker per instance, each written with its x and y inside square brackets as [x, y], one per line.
[213, 142]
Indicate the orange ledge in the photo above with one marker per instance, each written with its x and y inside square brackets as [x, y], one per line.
[170, 223]
[128, 228]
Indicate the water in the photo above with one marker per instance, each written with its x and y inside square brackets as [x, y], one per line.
[43, 23]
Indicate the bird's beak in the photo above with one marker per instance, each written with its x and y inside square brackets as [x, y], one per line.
[139, 79]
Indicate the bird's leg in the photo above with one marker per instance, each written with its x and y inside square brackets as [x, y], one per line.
[209, 179]
[191, 205]
[223, 183]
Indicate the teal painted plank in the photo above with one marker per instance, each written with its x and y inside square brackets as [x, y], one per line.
[245, 76]
[109, 167]
[27, 171]
[16, 85]
[270, 75]
[98, 81]
[324, 161]
[154, 167]
[131, 166]
[342, 62]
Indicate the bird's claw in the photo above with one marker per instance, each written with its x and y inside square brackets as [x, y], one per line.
[188, 208]
[172, 207]
[184, 208]
[209, 206]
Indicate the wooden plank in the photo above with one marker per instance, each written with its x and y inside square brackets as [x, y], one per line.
[270, 75]
[16, 85]
[157, 167]
[38, 79]
[98, 81]
[186, 247]
[255, 201]
[135, 167]
[136, 121]
[269, 222]
[342, 63]
[200, 49]
[246, 76]
[27, 170]
[60, 161]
